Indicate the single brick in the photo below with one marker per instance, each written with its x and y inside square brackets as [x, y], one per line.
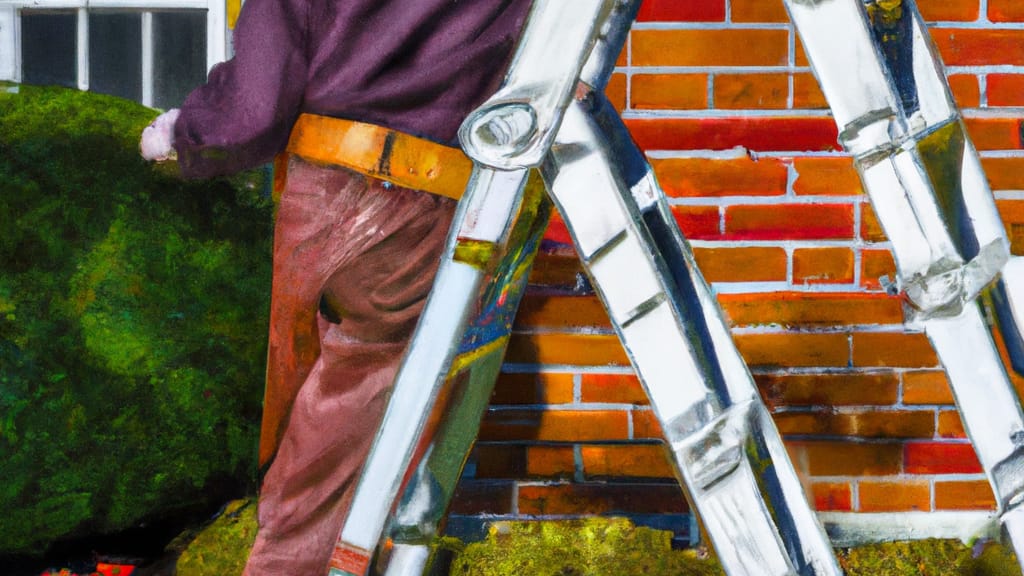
[966, 90]
[826, 177]
[876, 264]
[807, 92]
[729, 47]
[756, 11]
[906, 350]
[950, 425]
[750, 91]
[636, 460]
[851, 389]
[646, 425]
[830, 458]
[1005, 89]
[902, 496]
[1005, 11]
[675, 11]
[612, 389]
[524, 388]
[794, 350]
[794, 309]
[569, 349]
[495, 461]
[555, 425]
[669, 91]
[789, 222]
[601, 498]
[1004, 173]
[704, 177]
[870, 227]
[556, 270]
[940, 458]
[832, 497]
[550, 461]
[995, 133]
[560, 311]
[482, 497]
[979, 46]
[926, 387]
[615, 91]
[872, 424]
[1012, 214]
[822, 266]
[964, 495]
[949, 10]
[698, 222]
[557, 231]
[744, 264]
[762, 134]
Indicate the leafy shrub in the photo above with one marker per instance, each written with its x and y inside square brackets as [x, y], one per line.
[133, 313]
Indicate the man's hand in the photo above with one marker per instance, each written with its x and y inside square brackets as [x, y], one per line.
[157, 141]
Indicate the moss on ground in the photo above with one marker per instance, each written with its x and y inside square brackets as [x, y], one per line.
[133, 314]
[223, 547]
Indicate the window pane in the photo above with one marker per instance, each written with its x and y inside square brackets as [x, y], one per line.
[49, 48]
[115, 54]
[179, 56]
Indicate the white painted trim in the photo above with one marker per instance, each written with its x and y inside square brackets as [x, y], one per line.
[216, 33]
[83, 48]
[855, 528]
[147, 59]
[120, 4]
[9, 47]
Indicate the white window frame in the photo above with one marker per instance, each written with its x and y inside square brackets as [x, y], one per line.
[10, 33]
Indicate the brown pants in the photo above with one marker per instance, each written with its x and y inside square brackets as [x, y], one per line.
[354, 260]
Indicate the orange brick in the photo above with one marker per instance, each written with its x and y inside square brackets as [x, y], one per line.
[807, 93]
[703, 177]
[893, 349]
[826, 177]
[801, 55]
[669, 91]
[612, 389]
[754, 11]
[637, 460]
[747, 91]
[966, 90]
[555, 425]
[1012, 213]
[874, 265]
[832, 497]
[979, 46]
[830, 458]
[1005, 11]
[615, 91]
[545, 388]
[870, 227]
[794, 350]
[828, 389]
[822, 266]
[569, 349]
[789, 222]
[926, 387]
[995, 133]
[950, 425]
[599, 498]
[646, 425]
[1005, 89]
[561, 311]
[710, 47]
[949, 10]
[550, 461]
[964, 495]
[1004, 173]
[902, 496]
[792, 309]
[765, 264]
[874, 424]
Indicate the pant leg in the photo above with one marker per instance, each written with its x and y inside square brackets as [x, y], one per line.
[377, 249]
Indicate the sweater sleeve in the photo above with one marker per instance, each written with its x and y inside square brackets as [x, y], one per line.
[243, 115]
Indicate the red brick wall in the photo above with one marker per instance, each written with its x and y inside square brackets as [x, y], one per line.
[719, 94]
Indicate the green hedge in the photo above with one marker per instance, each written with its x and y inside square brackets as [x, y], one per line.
[133, 313]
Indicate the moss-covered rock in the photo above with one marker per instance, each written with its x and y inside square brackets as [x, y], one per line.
[133, 313]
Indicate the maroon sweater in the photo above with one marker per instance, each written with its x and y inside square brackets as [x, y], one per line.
[418, 66]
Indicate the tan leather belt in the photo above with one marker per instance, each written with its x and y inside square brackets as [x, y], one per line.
[382, 153]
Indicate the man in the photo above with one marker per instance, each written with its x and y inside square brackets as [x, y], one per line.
[338, 86]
